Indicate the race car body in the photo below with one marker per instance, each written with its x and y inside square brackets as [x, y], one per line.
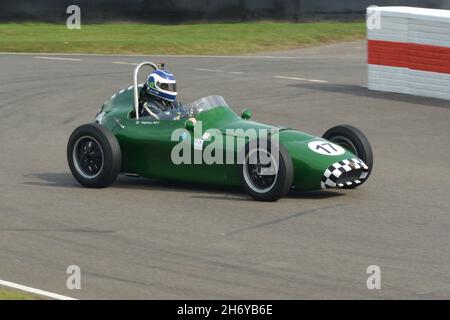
[182, 149]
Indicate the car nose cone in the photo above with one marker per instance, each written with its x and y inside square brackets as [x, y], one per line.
[344, 173]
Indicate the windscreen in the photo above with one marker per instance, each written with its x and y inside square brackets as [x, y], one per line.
[207, 103]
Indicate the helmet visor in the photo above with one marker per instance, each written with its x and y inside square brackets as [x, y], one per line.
[172, 87]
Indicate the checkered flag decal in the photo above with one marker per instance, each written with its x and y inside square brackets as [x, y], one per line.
[332, 174]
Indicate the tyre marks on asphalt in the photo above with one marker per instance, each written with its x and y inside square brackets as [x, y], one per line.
[271, 222]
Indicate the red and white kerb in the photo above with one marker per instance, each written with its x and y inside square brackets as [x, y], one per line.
[409, 50]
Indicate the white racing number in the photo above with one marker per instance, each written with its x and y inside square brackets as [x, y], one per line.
[326, 148]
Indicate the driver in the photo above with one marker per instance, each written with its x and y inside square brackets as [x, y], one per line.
[157, 98]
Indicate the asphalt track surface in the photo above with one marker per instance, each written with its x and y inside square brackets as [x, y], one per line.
[148, 239]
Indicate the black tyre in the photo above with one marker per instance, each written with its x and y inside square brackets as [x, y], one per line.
[269, 185]
[353, 140]
[94, 157]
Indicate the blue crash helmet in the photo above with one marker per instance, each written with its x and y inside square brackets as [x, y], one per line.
[162, 83]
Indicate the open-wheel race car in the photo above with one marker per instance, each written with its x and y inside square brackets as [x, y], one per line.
[122, 141]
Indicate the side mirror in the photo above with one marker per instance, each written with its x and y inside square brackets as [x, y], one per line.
[246, 114]
[189, 124]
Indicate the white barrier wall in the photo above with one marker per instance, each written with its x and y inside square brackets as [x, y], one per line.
[409, 50]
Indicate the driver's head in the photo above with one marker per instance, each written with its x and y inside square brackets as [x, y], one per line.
[162, 83]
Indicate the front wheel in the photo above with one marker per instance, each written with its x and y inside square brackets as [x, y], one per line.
[353, 140]
[266, 173]
[94, 156]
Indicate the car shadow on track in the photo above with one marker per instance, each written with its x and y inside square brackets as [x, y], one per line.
[173, 186]
[66, 180]
[311, 195]
[61, 180]
[361, 91]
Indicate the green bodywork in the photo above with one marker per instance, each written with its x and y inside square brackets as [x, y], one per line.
[146, 146]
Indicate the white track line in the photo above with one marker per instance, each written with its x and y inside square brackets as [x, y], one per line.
[218, 71]
[290, 78]
[300, 79]
[56, 58]
[150, 55]
[208, 70]
[34, 291]
[320, 81]
[127, 63]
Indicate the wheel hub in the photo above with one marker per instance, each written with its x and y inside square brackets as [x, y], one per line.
[88, 157]
[260, 177]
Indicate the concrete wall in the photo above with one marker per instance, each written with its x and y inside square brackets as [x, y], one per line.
[173, 11]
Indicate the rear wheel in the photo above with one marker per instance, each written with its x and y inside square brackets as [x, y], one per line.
[94, 156]
[353, 140]
[266, 180]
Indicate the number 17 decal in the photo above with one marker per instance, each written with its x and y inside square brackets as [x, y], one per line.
[326, 148]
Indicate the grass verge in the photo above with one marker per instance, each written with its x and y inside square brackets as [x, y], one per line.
[198, 39]
[14, 295]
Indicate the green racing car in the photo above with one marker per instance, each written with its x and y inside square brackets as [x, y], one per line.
[210, 144]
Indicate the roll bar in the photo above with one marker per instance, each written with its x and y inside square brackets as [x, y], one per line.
[135, 79]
